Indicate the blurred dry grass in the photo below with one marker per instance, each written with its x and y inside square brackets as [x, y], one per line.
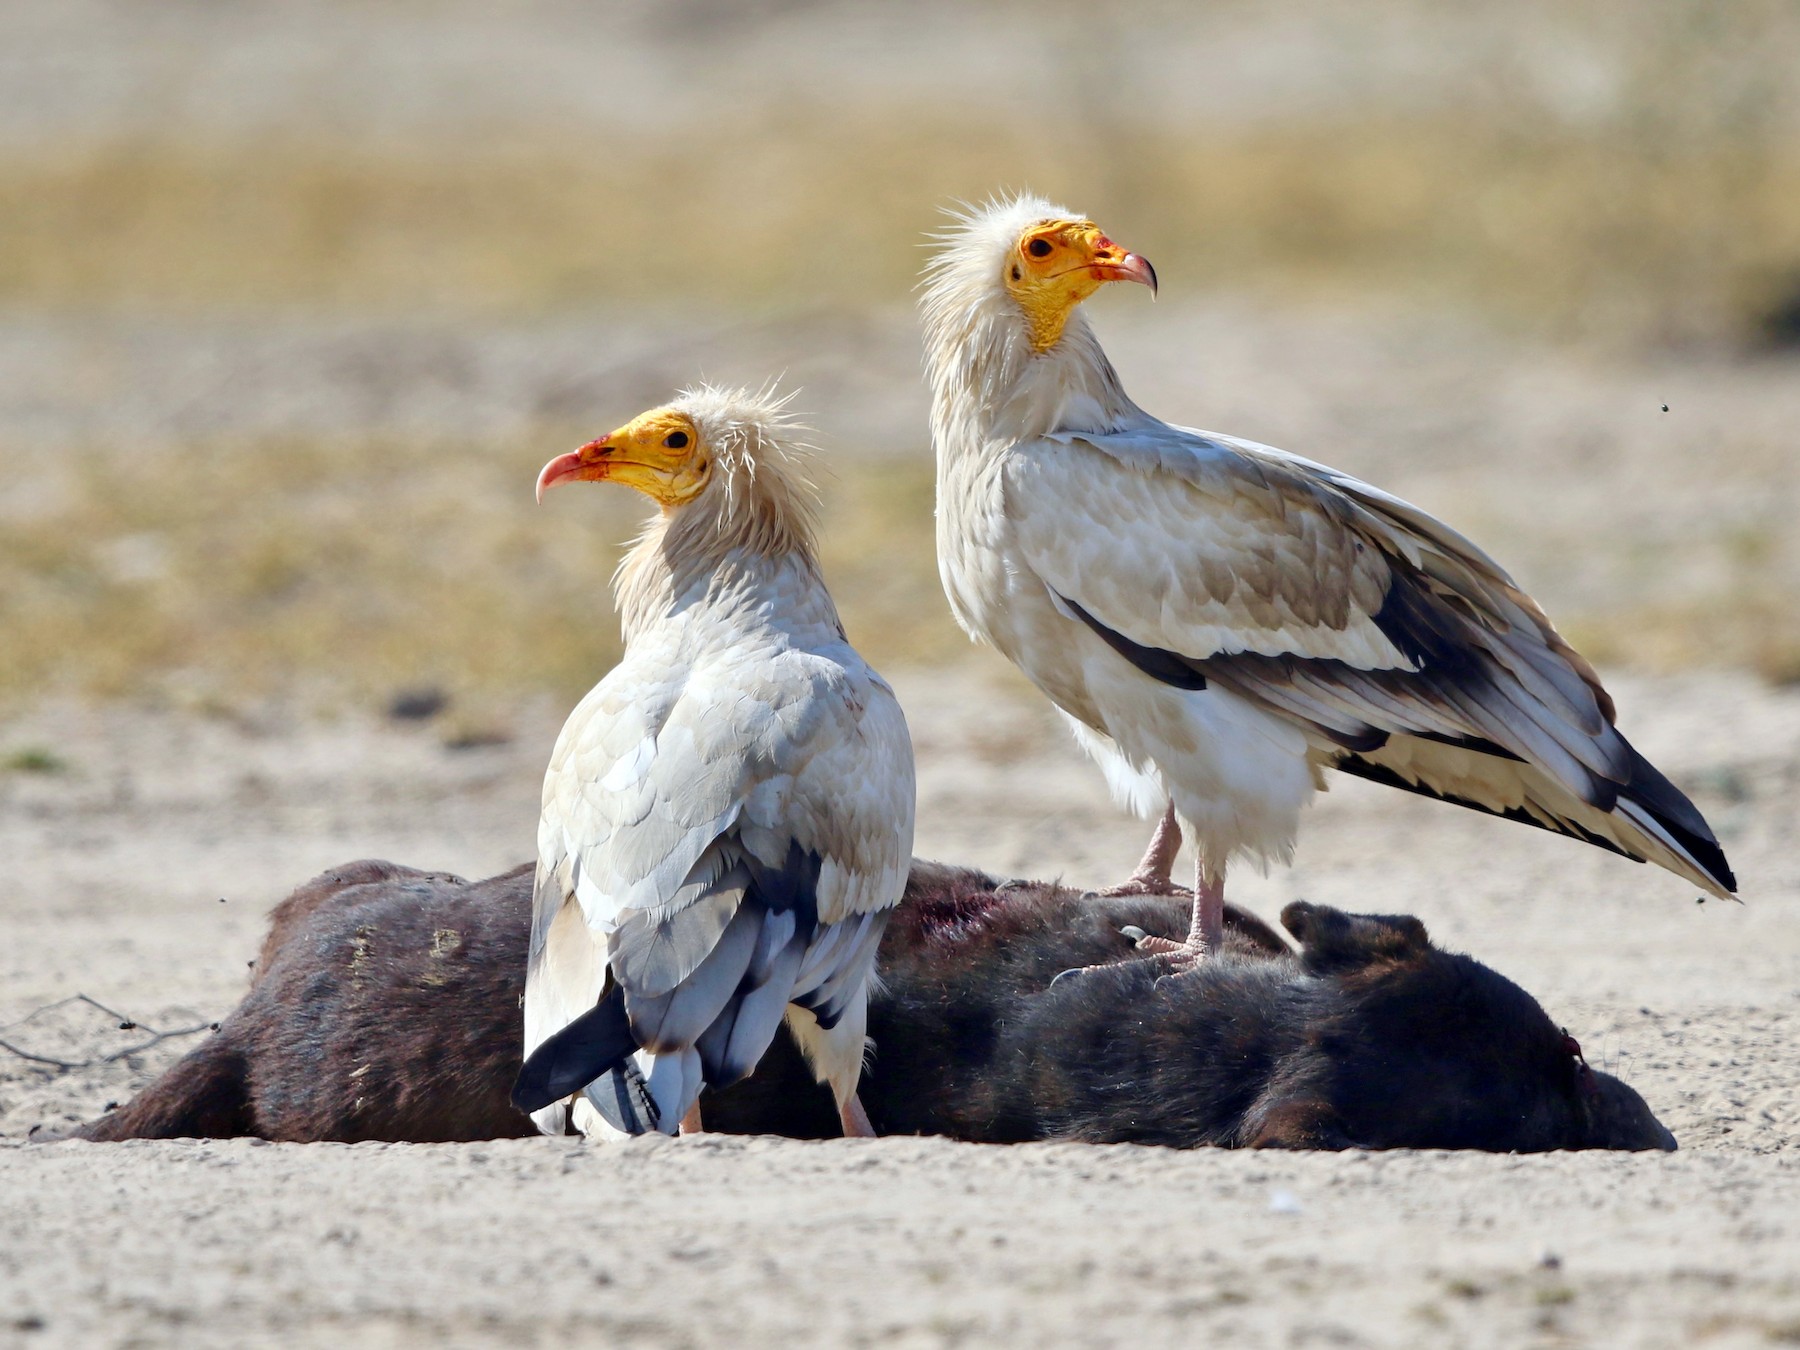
[1627, 174]
[337, 571]
[1607, 233]
[1751, 624]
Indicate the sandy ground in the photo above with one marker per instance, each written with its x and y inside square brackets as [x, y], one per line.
[141, 873]
[1648, 498]
[141, 877]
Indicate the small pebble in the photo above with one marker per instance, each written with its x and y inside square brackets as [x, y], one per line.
[417, 705]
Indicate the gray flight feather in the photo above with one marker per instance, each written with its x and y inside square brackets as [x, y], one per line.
[674, 1020]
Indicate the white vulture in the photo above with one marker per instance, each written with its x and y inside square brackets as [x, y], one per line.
[728, 815]
[1222, 621]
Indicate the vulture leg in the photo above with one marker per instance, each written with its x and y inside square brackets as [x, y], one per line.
[1205, 933]
[854, 1119]
[1152, 876]
[690, 1123]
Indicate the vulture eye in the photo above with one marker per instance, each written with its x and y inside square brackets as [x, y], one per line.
[676, 440]
[1038, 248]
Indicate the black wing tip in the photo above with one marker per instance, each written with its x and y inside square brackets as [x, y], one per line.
[597, 1042]
[1708, 857]
[1669, 807]
[1701, 848]
[1387, 777]
[544, 1079]
[529, 1093]
[1649, 790]
[592, 1054]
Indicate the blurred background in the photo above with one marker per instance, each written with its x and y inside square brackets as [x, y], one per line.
[296, 299]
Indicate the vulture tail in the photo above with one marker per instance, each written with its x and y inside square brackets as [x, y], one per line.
[623, 1098]
[593, 1044]
[703, 991]
[1648, 818]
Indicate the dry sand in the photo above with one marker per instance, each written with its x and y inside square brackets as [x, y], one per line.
[117, 873]
[141, 874]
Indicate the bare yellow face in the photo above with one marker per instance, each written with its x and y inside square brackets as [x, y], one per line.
[660, 453]
[1057, 264]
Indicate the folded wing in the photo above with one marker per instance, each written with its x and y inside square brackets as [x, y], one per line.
[1407, 655]
[712, 848]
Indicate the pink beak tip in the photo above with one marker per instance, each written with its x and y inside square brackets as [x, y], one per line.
[558, 471]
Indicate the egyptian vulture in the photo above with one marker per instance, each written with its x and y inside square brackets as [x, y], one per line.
[728, 815]
[1221, 621]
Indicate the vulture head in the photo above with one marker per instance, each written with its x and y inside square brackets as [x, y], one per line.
[1057, 263]
[708, 436]
[1028, 256]
[727, 467]
[737, 449]
[661, 453]
[1006, 353]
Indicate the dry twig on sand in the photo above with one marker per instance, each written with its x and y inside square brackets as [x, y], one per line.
[125, 1022]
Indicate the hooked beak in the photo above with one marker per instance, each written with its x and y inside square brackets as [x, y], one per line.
[1114, 264]
[585, 465]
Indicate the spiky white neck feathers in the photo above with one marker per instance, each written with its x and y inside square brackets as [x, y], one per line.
[752, 522]
[989, 389]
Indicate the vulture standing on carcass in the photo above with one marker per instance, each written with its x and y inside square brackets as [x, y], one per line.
[728, 814]
[1221, 621]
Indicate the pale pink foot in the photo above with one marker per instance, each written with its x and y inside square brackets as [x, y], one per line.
[854, 1119]
[1154, 874]
[1206, 932]
[1136, 884]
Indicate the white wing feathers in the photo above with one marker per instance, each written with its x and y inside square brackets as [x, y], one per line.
[648, 775]
[723, 839]
[1404, 651]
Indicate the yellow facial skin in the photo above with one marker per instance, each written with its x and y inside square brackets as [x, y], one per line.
[1059, 263]
[659, 453]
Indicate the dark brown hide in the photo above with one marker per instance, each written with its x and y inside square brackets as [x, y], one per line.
[386, 1006]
